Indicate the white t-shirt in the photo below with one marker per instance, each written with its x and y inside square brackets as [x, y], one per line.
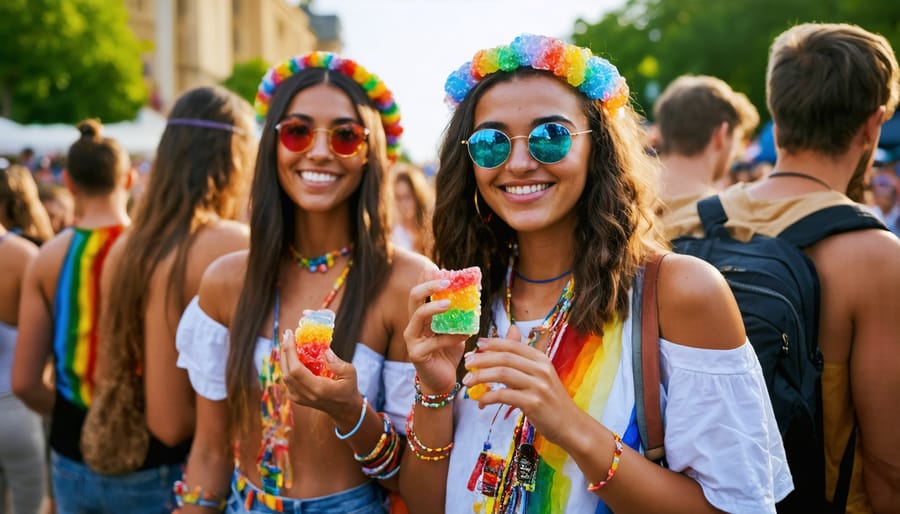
[202, 344]
[719, 425]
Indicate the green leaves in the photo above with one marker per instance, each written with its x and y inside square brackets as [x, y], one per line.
[654, 41]
[66, 60]
[245, 78]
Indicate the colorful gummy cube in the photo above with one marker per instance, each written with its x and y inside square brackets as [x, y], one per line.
[312, 338]
[464, 293]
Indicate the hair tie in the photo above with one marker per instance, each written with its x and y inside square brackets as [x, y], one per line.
[214, 125]
[380, 96]
[594, 76]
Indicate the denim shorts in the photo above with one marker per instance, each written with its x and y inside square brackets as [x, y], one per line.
[364, 499]
[80, 490]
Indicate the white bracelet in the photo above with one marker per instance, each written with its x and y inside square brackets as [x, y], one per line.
[362, 416]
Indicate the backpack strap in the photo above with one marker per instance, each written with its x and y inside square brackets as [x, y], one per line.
[829, 221]
[645, 360]
[713, 217]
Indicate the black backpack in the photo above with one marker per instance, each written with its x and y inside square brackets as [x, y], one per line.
[777, 290]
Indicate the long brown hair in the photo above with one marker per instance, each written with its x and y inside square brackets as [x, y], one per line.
[613, 236]
[21, 206]
[272, 228]
[196, 178]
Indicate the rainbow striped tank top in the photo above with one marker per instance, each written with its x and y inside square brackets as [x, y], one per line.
[75, 328]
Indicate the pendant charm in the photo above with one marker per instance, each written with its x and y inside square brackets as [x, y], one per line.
[526, 466]
[493, 467]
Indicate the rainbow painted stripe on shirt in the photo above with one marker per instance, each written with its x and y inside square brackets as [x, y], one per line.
[75, 336]
[587, 366]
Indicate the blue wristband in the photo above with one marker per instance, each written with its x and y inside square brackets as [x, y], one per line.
[362, 416]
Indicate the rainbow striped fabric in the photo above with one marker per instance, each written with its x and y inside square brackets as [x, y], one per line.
[75, 328]
[588, 366]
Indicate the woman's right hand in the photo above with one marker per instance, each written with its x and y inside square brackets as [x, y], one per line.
[435, 356]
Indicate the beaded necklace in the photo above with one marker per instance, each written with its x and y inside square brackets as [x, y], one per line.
[276, 415]
[321, 263]
[505, 482]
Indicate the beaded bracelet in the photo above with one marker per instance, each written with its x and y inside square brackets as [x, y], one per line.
[434, 401]
[421, 451]
[185, 496]
[612, 468]
[380, 445]
[362, 416]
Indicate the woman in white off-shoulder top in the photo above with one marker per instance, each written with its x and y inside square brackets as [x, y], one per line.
[333, 441]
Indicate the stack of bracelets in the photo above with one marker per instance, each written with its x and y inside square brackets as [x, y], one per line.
[429, 401]
[184, 495]
[383, 461]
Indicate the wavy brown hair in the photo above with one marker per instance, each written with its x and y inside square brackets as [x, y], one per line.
[614, 234]
[20, 205]
[197, 178]
[272, 228]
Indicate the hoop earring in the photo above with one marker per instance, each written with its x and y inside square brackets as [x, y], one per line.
[478, 211]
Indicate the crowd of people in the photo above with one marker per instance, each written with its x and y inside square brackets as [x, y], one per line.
[148, 360]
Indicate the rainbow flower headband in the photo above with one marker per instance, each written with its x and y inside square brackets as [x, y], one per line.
[377, 92]
[592, 75]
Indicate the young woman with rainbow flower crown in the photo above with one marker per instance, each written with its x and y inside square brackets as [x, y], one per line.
[285, 439]
[544, 184]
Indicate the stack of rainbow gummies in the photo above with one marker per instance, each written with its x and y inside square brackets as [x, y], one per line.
[312, 338]
[464, 293]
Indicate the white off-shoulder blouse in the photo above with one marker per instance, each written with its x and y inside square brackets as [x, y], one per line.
[202, 344]
[719, 425]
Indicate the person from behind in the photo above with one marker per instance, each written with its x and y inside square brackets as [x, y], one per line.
[59, 204]
[829, 89]
[702, 124]
[21, 211]
[185, 220]
[22, 463]
[59, 316]
[413, 202]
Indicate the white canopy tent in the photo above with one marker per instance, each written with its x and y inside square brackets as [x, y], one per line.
[139, 137]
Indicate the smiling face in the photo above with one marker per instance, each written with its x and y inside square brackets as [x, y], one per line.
[528, 195]
[317, 179]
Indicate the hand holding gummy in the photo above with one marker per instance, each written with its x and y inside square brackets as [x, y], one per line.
[464, 292]
[313, 338]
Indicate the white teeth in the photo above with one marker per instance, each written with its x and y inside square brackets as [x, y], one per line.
[312, 176]
[526, 190]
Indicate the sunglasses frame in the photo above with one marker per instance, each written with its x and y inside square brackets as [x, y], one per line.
[527, 138]
[330, 132]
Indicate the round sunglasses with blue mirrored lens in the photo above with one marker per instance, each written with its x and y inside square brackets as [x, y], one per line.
[548, 143]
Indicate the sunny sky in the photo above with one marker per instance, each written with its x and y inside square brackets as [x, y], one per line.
[414, 44]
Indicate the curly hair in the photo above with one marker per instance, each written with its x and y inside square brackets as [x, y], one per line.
[615, 232]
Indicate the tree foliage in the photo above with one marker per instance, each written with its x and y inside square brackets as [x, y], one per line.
[654, 41]
[245, 77]
[66, 60]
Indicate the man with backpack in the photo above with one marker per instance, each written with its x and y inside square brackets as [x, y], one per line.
[824, 322]
[701, 123]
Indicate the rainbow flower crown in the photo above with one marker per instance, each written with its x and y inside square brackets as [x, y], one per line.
[581, 69]
[377, 92]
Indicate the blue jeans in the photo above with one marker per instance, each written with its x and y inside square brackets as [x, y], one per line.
[80, 490]
[363, 499]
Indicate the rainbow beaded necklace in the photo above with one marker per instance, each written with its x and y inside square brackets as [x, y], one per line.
[276, 413]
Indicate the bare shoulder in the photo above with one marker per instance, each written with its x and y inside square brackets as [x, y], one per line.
[407, 270]
[51, 254]
[867, 258]
[17, 251]
[223, 237]
[221, 285]
[696, 306]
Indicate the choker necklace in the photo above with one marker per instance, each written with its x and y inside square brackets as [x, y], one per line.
[799, 175]
[542, 280]
[321, 263]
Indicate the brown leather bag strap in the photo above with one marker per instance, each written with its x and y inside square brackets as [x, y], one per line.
[655, 449]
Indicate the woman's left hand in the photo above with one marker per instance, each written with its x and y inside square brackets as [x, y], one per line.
[336, 396]
[530, 382]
